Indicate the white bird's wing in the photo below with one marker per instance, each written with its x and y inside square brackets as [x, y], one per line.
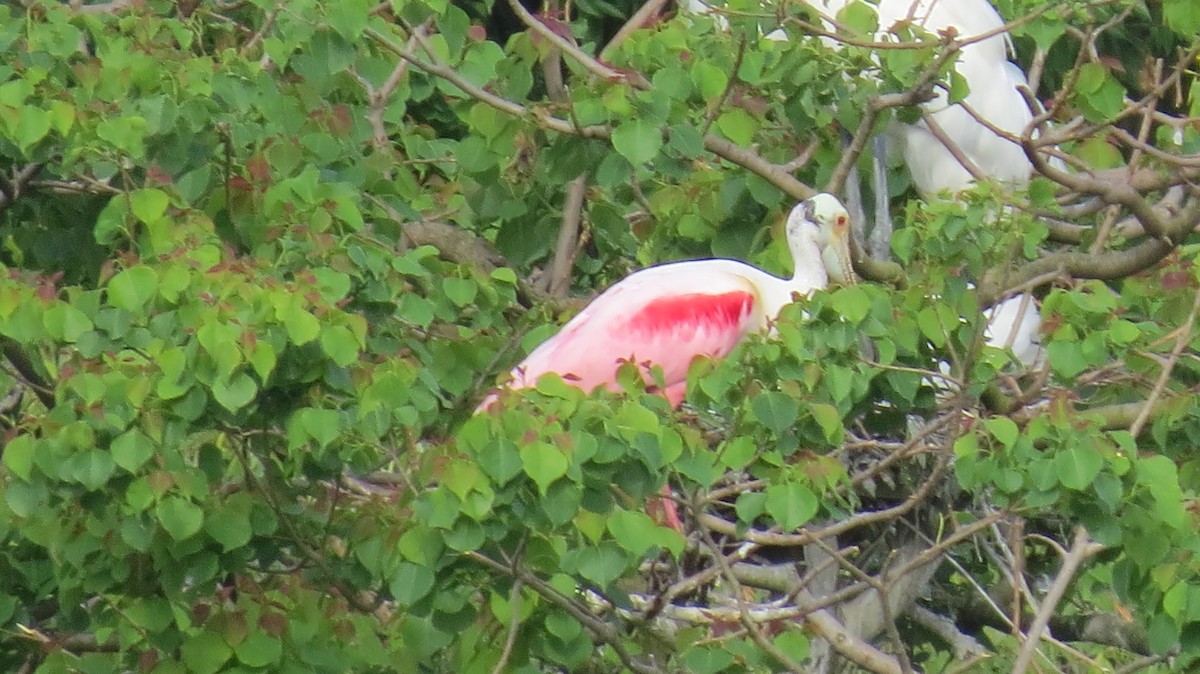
[1015, 323]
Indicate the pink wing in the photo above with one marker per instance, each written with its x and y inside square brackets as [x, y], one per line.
[664, 319]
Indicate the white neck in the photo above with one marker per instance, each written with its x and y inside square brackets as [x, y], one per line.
[809, 272]
[808, 275]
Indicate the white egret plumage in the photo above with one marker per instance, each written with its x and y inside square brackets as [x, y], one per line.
[994, 81]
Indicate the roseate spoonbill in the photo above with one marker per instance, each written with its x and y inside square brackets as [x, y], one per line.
[670, 314]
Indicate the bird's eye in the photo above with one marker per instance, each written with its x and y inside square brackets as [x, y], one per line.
[841, 221]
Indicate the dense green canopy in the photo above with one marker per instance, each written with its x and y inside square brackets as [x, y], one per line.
[261, 260]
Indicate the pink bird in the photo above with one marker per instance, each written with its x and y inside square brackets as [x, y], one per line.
[670, 314]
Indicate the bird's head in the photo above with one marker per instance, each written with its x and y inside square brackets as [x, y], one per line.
[824, 220]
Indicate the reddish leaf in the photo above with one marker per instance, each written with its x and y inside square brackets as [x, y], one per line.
[1175, 280]
[259, 169]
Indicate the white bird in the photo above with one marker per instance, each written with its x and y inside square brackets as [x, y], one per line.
[994, 82]
[1014, 323]
[995, 96]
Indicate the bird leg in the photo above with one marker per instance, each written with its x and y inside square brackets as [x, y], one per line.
[880, 241]
[663, 510]
[854, 202]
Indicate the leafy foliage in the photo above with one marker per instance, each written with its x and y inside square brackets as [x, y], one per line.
[262, 260]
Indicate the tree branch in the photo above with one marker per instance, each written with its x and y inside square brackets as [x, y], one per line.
[1081, 548]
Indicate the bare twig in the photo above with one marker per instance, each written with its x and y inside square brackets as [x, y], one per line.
[601, 630]
[514, 623]
[1184, 336]
[11, 188]
[565, 250]
[639, 19]
[1081, 548]
[569, 48]
[963, 645]
[777, 175]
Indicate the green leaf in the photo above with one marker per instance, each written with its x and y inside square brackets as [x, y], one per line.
[501, 461]
[230, 524]
[1098, 93]
[852, 302]
[18, 456]
[349, 17]
[25, 498]
[638, 141]
[829, 420]
[1163, 634]
[421, 544]
[132, 288]
[738, 452]
[416, 310]
[340, 344]
[750, 505]
[1175, 599]
[601, 564]
[151, 614]
[859, 17]
[931, 326]
[1122, 331]
[173, 362]
[131, 449]
[959, 87]
[205, 653]
[124, 133]
[707, 659]
[685, 140]
[302, 327]
[64, 322]
[1003, 430]
[93, 468]
[32, 126]
[262, 358]
[637, 533]
[410, 582]
[709, 79]
[137, 533]
[62, 116]
[320, 425]
[467, 534]
[461, 477]
[334, 285]
[148, 205]
[776, 411]
[562, 501]
[180, 517]
[259, 649]
[1045, 31]
[1067, 359]
[794, 643]
[235, 393]
[460, 291]
[1077, 467]
[1182, 16]
[791, 505]
[544, 463]
[738, 126]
